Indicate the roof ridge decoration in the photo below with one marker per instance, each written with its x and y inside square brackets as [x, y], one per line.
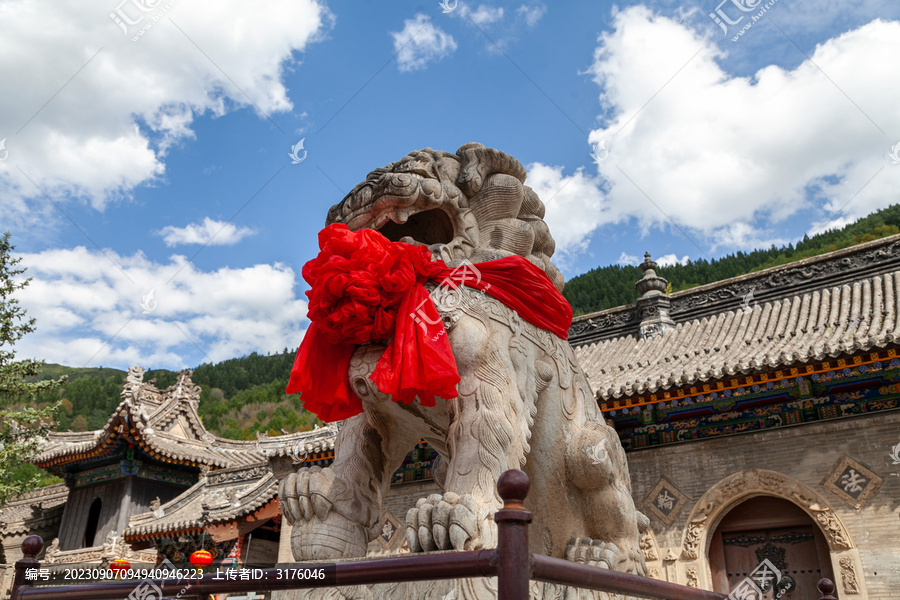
[653, 305]
[208, 502]
[138, 417]
[144, 413]
[828, 270]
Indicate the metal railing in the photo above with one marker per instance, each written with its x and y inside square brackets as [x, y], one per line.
[511, 562]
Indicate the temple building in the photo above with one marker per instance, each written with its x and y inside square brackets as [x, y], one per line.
[759, 415]
[154, 484]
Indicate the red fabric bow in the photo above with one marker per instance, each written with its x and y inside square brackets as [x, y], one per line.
[366, 288]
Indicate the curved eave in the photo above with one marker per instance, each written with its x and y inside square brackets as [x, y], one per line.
[831, 323]
[183, 514]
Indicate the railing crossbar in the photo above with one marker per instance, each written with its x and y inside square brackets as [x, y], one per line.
[566, 572]
[511, 562]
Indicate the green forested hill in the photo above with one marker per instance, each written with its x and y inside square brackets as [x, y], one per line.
[240, 396]
[611, 286]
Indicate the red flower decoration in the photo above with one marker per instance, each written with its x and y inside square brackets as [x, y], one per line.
[365, 288]
[359, 281]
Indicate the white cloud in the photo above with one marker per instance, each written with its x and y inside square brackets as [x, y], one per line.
[575, 206]
[744, 236]
[531, 14]
[824, 225]
[719, 154]
[628, 259]
[667, 260]
[81, 300]
[420, 42]
[211, 232]
[483, 15]
[89, 113]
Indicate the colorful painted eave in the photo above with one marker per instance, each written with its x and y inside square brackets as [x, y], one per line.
[737, 387]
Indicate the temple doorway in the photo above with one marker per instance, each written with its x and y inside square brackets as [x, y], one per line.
[770, 528]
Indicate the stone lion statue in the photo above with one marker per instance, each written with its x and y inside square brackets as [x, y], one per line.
[523, 400]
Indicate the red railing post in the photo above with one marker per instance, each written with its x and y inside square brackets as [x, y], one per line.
[826, 588]
[31, 547]
[514, 561]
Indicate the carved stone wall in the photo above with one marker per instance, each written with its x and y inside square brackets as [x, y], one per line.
[756, 482]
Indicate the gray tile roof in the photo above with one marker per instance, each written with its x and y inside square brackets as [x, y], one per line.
[23, 513]
[165, 424]
[222, 495]
[823, 323]
[842, 267]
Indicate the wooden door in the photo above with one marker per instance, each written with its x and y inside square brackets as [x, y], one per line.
[772, 529]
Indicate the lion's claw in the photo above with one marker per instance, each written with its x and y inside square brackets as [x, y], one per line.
[593, 552]
[318, 531]
[449, 522]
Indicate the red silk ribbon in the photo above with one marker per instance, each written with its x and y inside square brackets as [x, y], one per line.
[365, 288]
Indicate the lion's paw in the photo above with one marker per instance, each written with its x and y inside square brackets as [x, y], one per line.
[450, 522]
[593, 552]
[319, 533]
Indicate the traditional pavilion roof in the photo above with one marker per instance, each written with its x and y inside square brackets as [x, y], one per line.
[29, 511]
[165, 425]
[230, 494]
[220, 496]
[839, 304]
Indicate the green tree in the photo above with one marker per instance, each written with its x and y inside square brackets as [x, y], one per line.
[79, 424]
[22, 429]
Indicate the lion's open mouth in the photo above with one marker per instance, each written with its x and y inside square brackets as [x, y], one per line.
[427, 227]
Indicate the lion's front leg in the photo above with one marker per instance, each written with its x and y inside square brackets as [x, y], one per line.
[319, 504]
[334, 510]
[484, 439]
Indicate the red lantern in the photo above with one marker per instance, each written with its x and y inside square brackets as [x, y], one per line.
[119, 566]
[201, 558]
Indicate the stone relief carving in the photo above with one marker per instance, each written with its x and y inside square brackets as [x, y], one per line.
[135, 376]
[243, 474]
[648, 547]
[185, 388]
[586, 327]
[692, 538]
[692, 579]
[740, 484]
[665, 501]
[52, 551]
[848, 575]
[507, 366]
[835, 531]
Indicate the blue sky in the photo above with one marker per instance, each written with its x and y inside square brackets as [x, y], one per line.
[147, 142]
